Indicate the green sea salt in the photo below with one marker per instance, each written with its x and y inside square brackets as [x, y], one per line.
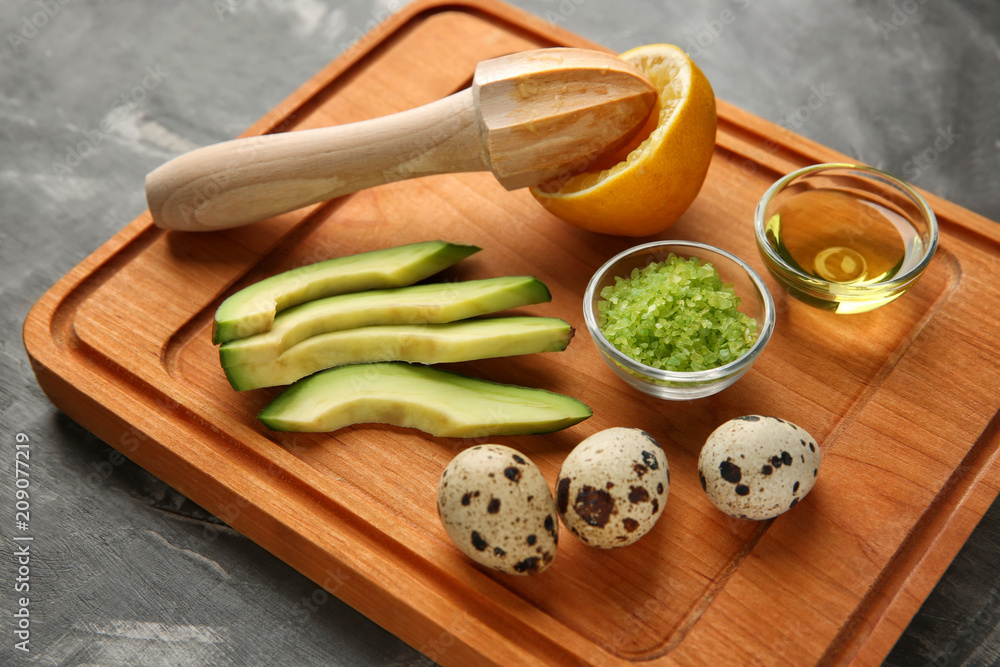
[676, 315]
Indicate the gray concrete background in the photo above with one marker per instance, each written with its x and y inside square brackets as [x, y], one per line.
[126, 570]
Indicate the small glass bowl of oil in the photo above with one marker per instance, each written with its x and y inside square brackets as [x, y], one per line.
[843, 237]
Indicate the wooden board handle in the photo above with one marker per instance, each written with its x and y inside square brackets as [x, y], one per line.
[245, 180]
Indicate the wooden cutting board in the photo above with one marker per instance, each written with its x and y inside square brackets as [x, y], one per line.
[904, 401]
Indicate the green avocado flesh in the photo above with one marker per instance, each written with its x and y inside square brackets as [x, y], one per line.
[417, 343]
[252, 310]
[437, 402]
[419, 304]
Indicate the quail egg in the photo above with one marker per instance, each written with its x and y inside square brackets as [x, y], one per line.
[612, 487]
[757, 467]
[497, 508]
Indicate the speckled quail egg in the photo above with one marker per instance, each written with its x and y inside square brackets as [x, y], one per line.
[497, 508]
[757, 467]
[612, 487]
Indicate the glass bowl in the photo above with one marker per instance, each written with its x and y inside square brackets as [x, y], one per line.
[843, 237]
[677, 385]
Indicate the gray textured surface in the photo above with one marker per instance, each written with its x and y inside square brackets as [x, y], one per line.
[124, 570]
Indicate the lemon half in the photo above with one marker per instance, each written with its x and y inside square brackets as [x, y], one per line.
[658, 180]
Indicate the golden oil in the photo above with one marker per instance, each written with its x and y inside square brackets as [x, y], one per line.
[838, 237]
[845, 238]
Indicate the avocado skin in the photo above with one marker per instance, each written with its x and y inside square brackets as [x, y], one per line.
[451, 342]
[252, 309]
[438, 402]
[431, 303]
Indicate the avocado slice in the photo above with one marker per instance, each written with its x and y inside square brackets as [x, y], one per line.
[418, 343]
[438, 402]
[252, 310]
[418, 304]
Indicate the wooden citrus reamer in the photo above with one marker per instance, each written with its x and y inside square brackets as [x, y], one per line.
[528, 117]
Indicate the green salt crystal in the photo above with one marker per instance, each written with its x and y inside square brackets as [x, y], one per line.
[676, 315]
